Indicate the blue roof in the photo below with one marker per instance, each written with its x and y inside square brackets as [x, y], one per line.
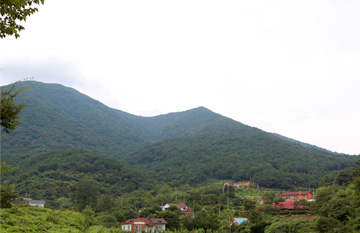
[241, 220]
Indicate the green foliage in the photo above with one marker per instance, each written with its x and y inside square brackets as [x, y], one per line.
[34, 219]
[14, 11]
[7, 195]
[87, 192]
[268, 160]
[172, 219]
[54, 175]
[190, 147]
[9, 109]
[89, 214]
[294, 226]
[339, 206]
[206, 219]
[5, 168]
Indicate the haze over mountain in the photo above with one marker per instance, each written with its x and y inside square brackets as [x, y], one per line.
[186, 147]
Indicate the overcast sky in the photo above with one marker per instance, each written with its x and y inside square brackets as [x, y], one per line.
[289, 67]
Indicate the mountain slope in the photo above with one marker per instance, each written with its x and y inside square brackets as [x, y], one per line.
[54, 174]
[189, 146]
[58, 117]
[265, 159]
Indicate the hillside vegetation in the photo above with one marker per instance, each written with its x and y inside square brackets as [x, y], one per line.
[55, 174]
[186, 147]
[266, 160]
[34, 219]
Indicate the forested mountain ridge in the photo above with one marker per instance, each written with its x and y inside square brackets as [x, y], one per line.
[58, 117]
[189, 147]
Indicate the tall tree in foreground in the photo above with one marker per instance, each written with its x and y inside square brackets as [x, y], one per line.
[13, 11]
[9, 110]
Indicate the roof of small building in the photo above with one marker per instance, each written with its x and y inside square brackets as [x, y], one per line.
[187, 211]
[150, 222]
[289, 205]
[296, 193]
[158, 220]
[240, 220]
[178, 205]
[36, 202]
[244, 211]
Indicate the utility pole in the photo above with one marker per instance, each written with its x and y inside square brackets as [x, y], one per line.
[230, 222]
[175, 194]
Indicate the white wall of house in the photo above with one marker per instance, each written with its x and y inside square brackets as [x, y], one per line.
[126, 227]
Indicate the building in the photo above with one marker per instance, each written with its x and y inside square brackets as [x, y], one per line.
[289, 205]
[296, 196]
[31, 202]
[238, 221]
[238, 184]
[138, 225]
[185, 209]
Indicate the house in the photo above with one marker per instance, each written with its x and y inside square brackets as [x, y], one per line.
[238, 184]
[38, 203]
[151, 225]
[185, 209]
[296, 196]
[238, 221]
[289, 205]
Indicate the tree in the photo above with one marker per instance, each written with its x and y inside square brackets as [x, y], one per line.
[206, 219]
[86, 193]
[89, 214]
[7, 195]
[172, 219]
[13, 11]
[106, 203]
[4, 168]
[9, 110]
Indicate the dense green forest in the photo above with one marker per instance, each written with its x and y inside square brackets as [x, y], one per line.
[53, 175]
[58, 117]
[187, 147]
[336, 210]
[266, 160]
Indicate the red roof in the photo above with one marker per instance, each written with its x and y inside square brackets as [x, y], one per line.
[245, 211]
[178, 205]
[187, 211]
[150, 222]
[296, 193]
[289, 205]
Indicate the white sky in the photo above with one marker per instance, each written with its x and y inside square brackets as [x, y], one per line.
[289, 67]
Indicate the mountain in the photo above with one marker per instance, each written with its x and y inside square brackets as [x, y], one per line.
[58, 117]
[187, 147]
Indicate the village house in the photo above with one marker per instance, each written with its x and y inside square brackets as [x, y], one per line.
[289, 205]
[238, 221]
[138, 225]
[185, 209]
[296, 196]
[238, 184]
[31, 202]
